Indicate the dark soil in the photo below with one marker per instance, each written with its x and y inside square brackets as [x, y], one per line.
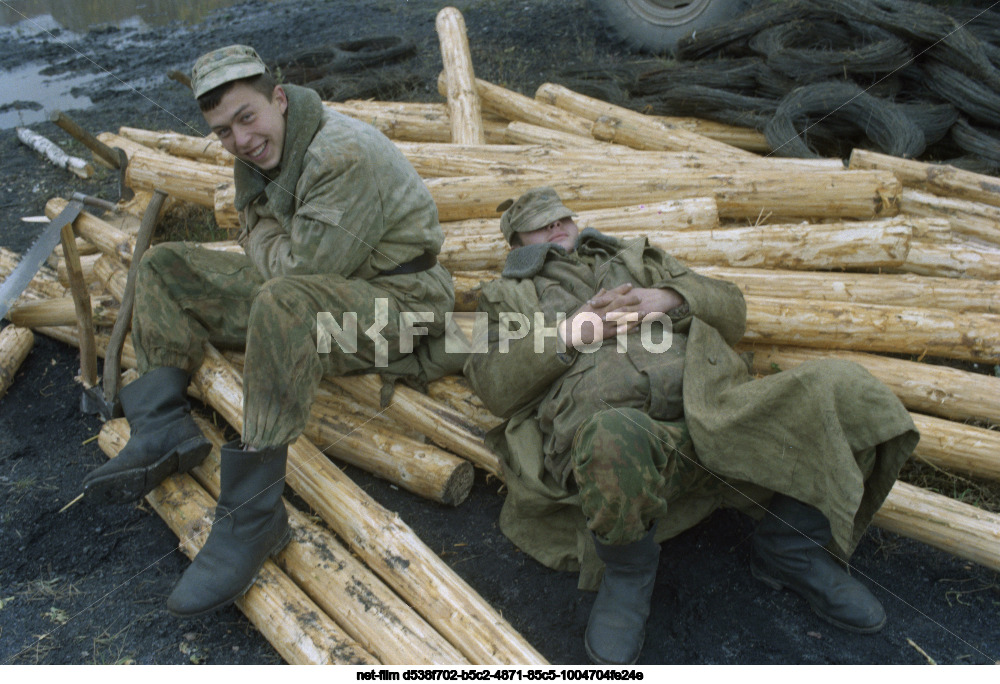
[88, 585]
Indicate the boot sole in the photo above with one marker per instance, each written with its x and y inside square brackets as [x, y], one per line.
[276, 549]
[778, 585]
[131, 485]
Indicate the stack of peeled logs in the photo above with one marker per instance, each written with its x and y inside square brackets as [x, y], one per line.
[890, 263]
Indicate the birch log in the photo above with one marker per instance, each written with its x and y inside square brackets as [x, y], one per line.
[297, 628]
[942, 522]
[54, 153]
[15, 343]
[922, 387]
[631, 128]
[364, 607]
[974, 219]
[460, 80]
[752, 195]
[381, 539]
[940, 179]
[871, 327]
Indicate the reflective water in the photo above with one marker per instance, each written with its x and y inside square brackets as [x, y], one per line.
[27, 93]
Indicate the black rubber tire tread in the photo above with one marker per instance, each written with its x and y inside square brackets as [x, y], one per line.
[817, 50]
[970, 96]
[980, 141]
[880, 121]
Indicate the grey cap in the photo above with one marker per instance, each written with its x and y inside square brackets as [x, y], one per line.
[226, 64]
[534, 209]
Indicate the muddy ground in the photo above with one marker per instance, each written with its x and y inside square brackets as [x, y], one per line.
[88, 585]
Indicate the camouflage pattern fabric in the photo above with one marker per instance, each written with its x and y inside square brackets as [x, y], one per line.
[630, 467]
[186, 295]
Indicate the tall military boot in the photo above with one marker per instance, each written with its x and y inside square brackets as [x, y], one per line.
[251, 524]
[164, 440]
[793, 555]
[617, 625]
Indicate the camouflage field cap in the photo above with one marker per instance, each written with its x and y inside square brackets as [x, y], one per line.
[224, 65]
[534, 209]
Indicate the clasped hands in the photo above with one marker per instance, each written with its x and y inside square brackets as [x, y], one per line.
[619, 310]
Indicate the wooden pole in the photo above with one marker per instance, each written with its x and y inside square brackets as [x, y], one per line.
[15, 343]
[922, 387]
[84, 314]
[942, 522]
[463, 100]
[381, 539]
[872, 327]
[297, 628]
[625, 126]
[941, 179]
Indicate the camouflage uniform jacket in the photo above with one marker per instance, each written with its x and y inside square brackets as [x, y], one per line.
[784, 435]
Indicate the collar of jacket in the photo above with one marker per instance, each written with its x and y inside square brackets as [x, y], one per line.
[305, 116]
[527, 262]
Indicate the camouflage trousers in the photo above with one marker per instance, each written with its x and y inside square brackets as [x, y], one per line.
[629, 468]
[187, 295]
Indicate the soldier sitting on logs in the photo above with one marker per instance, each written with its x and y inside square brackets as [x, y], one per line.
[629, 418]
[334, 220]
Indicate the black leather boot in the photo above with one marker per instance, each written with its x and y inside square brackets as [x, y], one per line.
[792, 555]
[164, 439]
[251, 524]
[617, 625]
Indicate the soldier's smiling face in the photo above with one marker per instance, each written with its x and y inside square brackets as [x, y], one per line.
[250, 125]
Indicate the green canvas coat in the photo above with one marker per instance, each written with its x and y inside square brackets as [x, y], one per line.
[796, 432]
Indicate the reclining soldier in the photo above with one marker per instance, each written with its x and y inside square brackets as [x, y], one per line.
[630, 418]
[335, 220]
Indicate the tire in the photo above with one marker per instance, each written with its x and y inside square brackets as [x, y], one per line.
[657, 25]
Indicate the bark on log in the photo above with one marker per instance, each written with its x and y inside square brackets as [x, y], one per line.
[514, 106]
[15, 343]
[974, 219]
[940, 179]
[751, 194]
[204, 149]
[860, 245]
[871, 327]
[297, 628]
[382, 540]
[435, 420]
[342, 586]
[922, 387]
[62, 311]
[54, 153]
[460, 80]
[625, 126]
[954, 260]
[954, 294]
[942, 522]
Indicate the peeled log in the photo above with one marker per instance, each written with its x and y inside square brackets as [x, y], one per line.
[942, 522]
[460, 80]
[342, 586]
[632, 128]
[454, 391]
[61, 311]
[974, 219]
[107, 238]
[861, 245]
[961, 295]
[871, 327]
[401, 123]
[205, 149]
[45, 283]
[521, 133]
[941, 179]
[952, 260]
[418, 411]
[957, 447]
[750, 194]
[381, 539]
[297, 628]
[922, 387]
[514, 106]
[15, 343]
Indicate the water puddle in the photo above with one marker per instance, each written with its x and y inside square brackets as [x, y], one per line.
[27, 96]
